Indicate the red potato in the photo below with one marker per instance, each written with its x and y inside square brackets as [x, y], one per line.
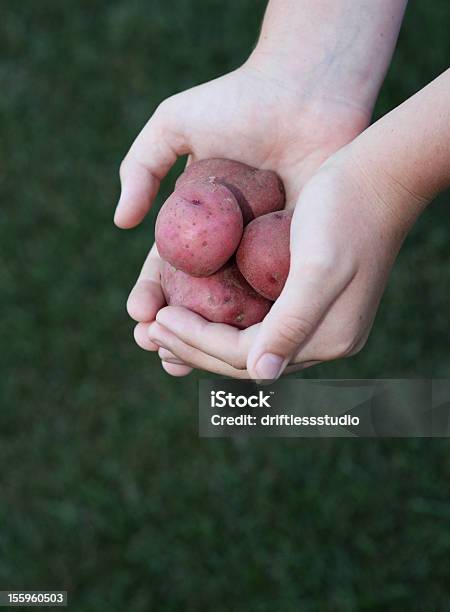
[263, 256]
[199, 227]
[258, 192]
[223, 297]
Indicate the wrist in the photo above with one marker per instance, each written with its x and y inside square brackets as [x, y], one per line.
[329, 120]
[306, 77]
[336, 51]
[407, 149]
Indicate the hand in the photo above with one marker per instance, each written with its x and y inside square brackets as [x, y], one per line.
[248, 115]
[346, 231]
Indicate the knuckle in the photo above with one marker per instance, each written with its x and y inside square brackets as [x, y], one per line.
[135, 308]
[321, 266]
[293, 329]
[328, 265]
[124, 164]
[163, 109]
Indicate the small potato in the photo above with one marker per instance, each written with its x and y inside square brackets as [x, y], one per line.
[263, 256]
[258, 192]
[223, 297]
[199, 227]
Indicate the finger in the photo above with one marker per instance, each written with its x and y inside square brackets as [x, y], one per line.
[176, 370]
[169, 358]
[149, 159]
[190, 355]
[142, 339]
[309, 291]
[223, 342]
[147, 297]
[166, 355]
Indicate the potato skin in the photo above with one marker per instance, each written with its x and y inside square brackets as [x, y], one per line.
[258, 192]
[199, 227]
[263, 256]
[223, 297]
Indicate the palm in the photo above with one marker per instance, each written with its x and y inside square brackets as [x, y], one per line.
[249, 117]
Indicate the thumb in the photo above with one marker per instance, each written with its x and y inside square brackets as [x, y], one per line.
[149, 159]
[309, 291]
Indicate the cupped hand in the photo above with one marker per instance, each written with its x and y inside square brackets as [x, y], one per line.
[250, 115]
[346, 231]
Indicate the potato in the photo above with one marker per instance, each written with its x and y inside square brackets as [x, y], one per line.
[258, 192]
[223, 297]
[199, 227]
[263, 256]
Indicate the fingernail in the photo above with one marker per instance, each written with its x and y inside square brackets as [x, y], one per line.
[268, 366]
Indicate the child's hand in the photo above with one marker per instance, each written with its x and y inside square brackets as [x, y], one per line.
[345, 235]
[246, 116]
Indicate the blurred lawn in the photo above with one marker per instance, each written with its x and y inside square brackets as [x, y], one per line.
[105, 488]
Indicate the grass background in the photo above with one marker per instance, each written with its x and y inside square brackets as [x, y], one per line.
[105, 488]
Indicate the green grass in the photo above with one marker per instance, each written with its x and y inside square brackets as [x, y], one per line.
[105, 488]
